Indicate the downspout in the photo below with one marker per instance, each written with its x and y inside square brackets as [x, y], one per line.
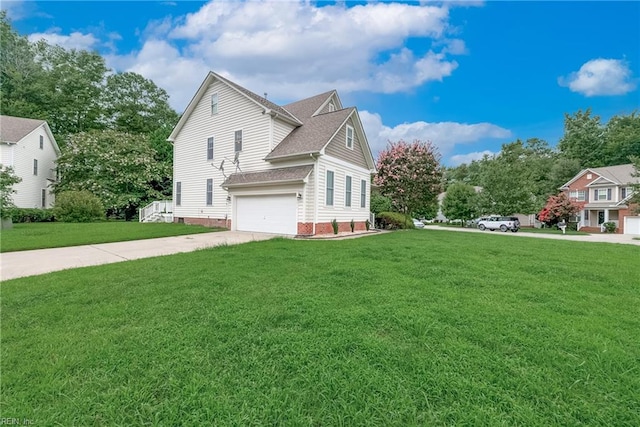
[315, 196]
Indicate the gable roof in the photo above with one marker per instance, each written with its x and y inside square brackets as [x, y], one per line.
[306, 108]
[268, 177]
[269, 106]
[14, 129]
[617, 175]
[313, 136]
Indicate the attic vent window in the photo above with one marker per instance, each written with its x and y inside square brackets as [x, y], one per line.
[349, 137]
[214, 104]
[589, 176]
[332, 107]
[41, 142]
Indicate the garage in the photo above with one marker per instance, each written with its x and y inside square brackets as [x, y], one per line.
[632, 225]
[267, 214]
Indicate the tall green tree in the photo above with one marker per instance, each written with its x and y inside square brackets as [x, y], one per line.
[583, 139]
[622, 136]
[411, 176]
[8, 179]
[119, 168]
[460, 202]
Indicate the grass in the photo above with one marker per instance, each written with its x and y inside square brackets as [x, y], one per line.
[43, 235]
[400, 329]
[525, 230]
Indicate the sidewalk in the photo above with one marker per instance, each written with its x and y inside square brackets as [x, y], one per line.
[40, 261]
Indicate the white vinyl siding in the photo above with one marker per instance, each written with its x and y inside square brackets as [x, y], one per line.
[330, 181]
[325, 213]
[347, 191]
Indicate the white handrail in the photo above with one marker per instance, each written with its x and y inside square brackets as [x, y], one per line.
[158, 206]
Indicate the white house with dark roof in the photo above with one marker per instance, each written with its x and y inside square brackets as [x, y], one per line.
[245, 163]
[29, 147]
[604, 195]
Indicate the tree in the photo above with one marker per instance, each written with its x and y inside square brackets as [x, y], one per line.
[411, 176]
[622, 135]
[460, 202]
[135, 104]
[119, 168]
[558, 207]
[7, 180]
[583, 139]
[635, 199]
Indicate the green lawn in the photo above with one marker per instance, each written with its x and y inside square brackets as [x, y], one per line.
[422, 327]
[523, 230]
[42, 235]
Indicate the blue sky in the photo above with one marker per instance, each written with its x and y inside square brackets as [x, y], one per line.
[468, 76]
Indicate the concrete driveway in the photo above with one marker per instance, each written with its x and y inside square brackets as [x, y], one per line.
[40, 261]
[601, 238]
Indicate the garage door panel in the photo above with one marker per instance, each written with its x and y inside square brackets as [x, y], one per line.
[267, 214]
[632, 225]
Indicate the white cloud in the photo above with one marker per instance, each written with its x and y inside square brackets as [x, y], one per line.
[75, 40]
[600, 77]
[444, 135]
[297, 49]
[459, 159]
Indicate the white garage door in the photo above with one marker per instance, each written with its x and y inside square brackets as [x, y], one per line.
[632, 225]
[267, 214]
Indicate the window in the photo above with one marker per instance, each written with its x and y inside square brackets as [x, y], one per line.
[586, 215]
[578, 195]
[178, 193]
[363, 193]
[347, 191]
[41, 142]
[332, 107]
[329, 198]
[602, 194]
[210, 148]
[35, 166]
[43, 197]
[625, 192]
[349, 137]
[589, 176]
[214, 104]
[209, 192]
[238, 141]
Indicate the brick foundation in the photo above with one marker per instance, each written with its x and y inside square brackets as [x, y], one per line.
[343, 227]
[207, 222]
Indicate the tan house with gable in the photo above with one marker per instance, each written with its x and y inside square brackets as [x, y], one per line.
[28, 146]
[604, 194]
[245, 163]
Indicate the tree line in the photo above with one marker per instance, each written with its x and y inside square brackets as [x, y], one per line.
[111, 127]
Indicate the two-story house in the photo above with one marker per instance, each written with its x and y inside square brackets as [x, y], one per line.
[244, 163]
[603, 195]
[28, 146]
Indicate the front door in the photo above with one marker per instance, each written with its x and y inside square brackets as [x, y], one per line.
[600, 217]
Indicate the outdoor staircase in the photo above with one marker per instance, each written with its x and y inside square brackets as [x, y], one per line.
[158, 211]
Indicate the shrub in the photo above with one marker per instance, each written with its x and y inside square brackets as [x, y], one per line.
[367, 224]
[352, 225]
[394, 221]
[78, 206]
[30, 215]
[334, 224]
[380, 204]
[609, 227]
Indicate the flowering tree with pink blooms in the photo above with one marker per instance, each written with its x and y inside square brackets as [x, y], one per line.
[411, 176]
[558, 208]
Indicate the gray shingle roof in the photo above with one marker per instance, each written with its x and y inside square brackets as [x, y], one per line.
[272, 176]
[621, 174]
[13, 129]
[312, 136]
[260, 100]
[305, 108]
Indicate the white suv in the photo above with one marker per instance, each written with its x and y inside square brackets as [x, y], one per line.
[502, 223]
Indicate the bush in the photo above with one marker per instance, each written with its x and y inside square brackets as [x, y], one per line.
[367, 224]
[380, 204]
[78, 206]
[334, 224]
[394, 221]
[352, 225]
[609, 227]
[30, 215]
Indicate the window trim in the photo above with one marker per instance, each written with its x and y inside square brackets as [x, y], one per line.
[363, 193]
[210, 152]
[348, 190]
[235, 140]
[41, 142]
[329, 190]
[578, 195]
[347, 139]
[178, 193]
[209, 192]
[626, 192]
[43, 197]
[215, 105]
[35, 167]
[332, 107]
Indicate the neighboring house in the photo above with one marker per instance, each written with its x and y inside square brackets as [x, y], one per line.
[245, 163]
[29, 147]
[603, 195]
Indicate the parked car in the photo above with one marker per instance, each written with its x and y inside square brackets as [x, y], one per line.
[417, 223]
[502, 223]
